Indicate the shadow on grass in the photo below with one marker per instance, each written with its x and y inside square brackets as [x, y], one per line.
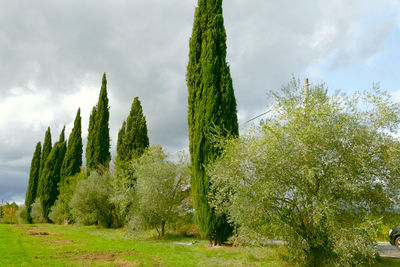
[383, 262]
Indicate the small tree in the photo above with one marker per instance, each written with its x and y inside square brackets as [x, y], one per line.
[91, 203]
[160, 189]
[315, 173]
[37, 212]
[9, 213]
[22, 215]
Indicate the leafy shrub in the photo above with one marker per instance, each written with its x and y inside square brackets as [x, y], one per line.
[22, 215]
[90, 203]
[37, 212]
[56, 212]
[9, 211]
[161, 187]
[316, 173]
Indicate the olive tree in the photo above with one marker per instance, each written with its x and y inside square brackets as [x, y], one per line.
[315, 172]
[91, 203]
[160, 189]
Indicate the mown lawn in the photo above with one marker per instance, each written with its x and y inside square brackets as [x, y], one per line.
[53, 245]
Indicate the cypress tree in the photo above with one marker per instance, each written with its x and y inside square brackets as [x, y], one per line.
[135, 139]
[120, 142]
[33, 181]
[51, 175]
[47, 146]
[73, 157]
[90, 162]
[100, 132]
[62, 136]
[211, 103]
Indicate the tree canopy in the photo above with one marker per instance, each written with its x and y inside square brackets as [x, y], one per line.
[314, 172]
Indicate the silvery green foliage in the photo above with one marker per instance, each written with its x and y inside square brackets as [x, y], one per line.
[314, 173]
[36, 212]
[90, 203]
[21, 214]
[160, 189]
[56, 212]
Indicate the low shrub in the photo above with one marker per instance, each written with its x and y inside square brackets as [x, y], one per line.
[90, 203]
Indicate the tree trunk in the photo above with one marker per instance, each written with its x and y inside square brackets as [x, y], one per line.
[162, 228]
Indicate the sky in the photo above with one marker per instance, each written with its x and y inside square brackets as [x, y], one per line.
[54, 53]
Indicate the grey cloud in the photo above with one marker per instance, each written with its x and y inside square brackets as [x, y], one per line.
[62, 46]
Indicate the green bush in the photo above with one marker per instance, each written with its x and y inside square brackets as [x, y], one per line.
[37, 212]
[316, 173]
[22, 215]
[160, 191]
[56, 212]
[91, 203]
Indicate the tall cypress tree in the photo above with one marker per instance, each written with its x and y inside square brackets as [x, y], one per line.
[211, 103]
[90, 162]
[33, 181]
[135, 139]
[102, 155]
[120, 142]
[62, 136]
[51, 175]
[73, 157]
[47, 146]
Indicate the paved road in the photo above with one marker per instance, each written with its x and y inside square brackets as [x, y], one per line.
[387, 250]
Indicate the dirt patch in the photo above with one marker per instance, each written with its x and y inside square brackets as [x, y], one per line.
[39, 233]
[98, 256]
[34, 230]
[61, 242]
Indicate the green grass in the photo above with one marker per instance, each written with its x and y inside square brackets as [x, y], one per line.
[53, 245]
[388, 262]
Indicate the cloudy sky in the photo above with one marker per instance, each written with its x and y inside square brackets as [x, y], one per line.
[53, 54]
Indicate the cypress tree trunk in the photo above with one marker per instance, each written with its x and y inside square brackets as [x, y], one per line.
[211, 104]
[73, 157]
[47, 146]
[33, 182]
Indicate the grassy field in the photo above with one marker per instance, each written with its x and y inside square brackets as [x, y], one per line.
[52, 245]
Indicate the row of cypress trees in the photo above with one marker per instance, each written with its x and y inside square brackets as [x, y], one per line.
[211, 104]
[51, 167]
